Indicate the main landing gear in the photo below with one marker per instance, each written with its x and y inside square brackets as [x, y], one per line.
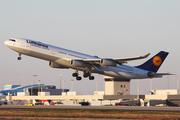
[86, 74]
[76, 75]
[19, 58]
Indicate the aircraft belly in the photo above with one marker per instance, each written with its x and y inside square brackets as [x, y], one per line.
[42, 56]
[33, 53]
[68, 65]
[140, 74]
[18, 49]
[114, 72]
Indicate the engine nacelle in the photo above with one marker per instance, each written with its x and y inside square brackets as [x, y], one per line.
[78, 63]
[55, 65]
[108, 62]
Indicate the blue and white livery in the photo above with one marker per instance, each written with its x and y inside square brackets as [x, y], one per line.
[111, 67]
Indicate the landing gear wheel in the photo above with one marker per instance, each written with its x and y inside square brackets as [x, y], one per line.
[75, 74]
[85, 75]
[91, 77]
[78, 78]
[19, 58]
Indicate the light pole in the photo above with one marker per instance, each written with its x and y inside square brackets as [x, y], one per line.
[31, 86]
[63, 84]
[138, 88]
[35, 77]
[39, 85]
[178, 83]
[33, 82]
[150, 84]
[22, 81]
[97, 85]
[60, 80]
[101, 86]
[71, 84]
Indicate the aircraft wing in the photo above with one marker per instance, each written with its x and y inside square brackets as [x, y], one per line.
[125, 60]
[117, 60]
[104, 61]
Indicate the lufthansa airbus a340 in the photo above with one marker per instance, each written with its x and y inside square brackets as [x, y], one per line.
[114, 68]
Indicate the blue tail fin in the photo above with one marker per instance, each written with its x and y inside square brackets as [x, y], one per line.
[155, 62]
[49, 101]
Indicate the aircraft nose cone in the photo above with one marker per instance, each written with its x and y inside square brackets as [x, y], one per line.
[5, 42]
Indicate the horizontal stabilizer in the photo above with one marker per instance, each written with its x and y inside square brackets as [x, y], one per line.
[158, 74]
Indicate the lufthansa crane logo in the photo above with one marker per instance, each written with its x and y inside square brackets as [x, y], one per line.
[157, 61]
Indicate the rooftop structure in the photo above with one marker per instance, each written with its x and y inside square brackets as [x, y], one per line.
[32, 89]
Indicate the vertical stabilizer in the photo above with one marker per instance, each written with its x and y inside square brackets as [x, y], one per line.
[155, 62]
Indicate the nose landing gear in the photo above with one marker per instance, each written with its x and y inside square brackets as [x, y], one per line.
[19, 58]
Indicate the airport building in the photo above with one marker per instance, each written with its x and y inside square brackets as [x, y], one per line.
[117, 87]
[116, 93]
[15, 90]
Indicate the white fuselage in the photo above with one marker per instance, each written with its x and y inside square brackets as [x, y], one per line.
[61, 56]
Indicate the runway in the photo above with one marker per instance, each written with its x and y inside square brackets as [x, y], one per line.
[114, 108]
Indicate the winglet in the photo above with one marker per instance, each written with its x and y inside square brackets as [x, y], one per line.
[145, 56]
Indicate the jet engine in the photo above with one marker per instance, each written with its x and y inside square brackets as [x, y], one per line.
[78, 63]
[108, 62]
[55, 65]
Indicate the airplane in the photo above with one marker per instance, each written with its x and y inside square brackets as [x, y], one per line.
[115, 68]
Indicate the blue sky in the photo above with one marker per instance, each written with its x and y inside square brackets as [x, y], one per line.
[106, 28]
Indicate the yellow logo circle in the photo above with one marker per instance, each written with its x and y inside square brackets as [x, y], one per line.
[157, 61]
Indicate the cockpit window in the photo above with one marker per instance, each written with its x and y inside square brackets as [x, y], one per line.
[12, 40]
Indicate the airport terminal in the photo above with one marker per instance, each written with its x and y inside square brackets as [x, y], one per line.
[117, 93]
